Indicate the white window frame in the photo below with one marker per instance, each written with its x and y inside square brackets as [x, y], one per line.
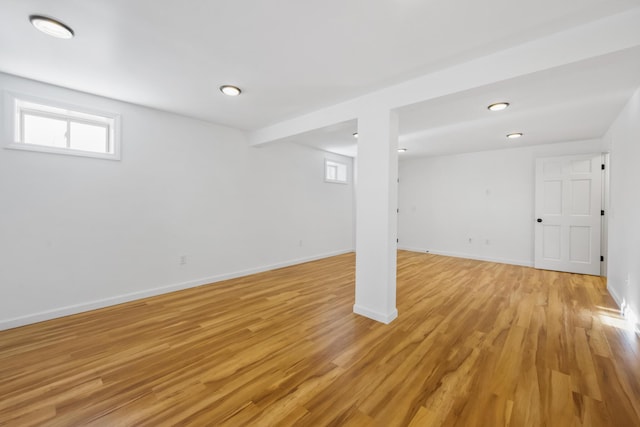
[337, 162]
[16, 105]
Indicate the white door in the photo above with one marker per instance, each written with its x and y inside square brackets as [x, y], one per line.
[568, 216]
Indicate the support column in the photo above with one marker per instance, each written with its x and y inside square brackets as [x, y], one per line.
[376, 215]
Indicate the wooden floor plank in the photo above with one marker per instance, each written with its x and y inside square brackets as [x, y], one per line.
[475, 343]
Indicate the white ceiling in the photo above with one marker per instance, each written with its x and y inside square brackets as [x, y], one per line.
[570, 103]
[293, 57]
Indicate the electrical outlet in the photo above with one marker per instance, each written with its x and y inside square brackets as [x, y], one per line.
[183, 259]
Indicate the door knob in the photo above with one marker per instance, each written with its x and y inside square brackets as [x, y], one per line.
[539, 219]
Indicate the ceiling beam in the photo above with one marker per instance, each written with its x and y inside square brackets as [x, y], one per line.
[601, 37]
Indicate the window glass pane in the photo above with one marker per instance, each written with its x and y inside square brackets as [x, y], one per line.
[89, 137]
[44, 131]
[335, 171]
[332, 171]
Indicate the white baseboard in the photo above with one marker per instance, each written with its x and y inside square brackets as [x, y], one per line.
[469, 256]
[375, 315]
[626, 310]
[119, 299]
[614, 295]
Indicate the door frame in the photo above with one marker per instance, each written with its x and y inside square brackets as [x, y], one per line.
[604, 232]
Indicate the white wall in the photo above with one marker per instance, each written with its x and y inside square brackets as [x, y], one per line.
[623, 139]
[487, 197]
[78, 233]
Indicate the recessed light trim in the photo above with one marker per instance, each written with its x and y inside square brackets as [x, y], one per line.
[230, 90]
[515, 135]
[498, 106]
[355, 135]
[402, 150]
[51, 27]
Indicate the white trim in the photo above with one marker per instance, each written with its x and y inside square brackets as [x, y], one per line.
[55, 150]
[604, 224]
[112, 121]
[375, 315]
[469, 256]
[107, 302]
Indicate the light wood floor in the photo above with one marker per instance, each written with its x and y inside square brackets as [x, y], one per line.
[476, 344]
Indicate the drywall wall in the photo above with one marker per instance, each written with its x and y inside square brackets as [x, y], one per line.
[79, 233]
[623, 140]
[476, 205]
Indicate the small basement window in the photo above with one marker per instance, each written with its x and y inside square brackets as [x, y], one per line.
[335, 171]
[38, 125]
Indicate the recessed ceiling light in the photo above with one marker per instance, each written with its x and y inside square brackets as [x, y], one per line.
[355, 134]
[515, 135]
[51, 27]
[401, 150]
[498, 106]
[230, 90]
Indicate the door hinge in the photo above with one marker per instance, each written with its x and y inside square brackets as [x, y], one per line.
[398, 210]
[603, 166]
[601, 258]
[602, 212]
[397, 240]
